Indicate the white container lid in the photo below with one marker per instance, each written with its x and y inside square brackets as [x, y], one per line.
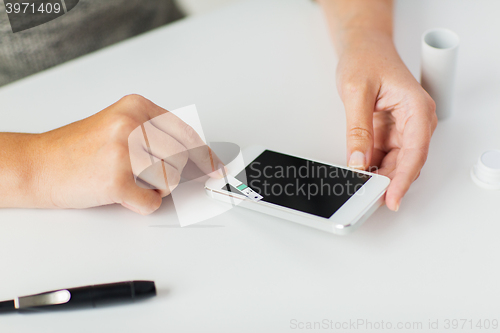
[486, 172]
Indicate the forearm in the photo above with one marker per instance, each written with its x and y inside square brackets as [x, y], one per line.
[18, 165]
[352, 21]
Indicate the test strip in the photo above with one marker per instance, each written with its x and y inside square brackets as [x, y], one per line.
[247, 191]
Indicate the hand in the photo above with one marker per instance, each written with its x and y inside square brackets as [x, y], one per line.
[87, 163]
[390, 118]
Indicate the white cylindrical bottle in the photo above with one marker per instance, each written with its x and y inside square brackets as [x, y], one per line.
[438, 67]
[486, 172]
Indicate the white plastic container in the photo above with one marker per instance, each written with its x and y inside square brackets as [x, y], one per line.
[438, 67]
[486, 172]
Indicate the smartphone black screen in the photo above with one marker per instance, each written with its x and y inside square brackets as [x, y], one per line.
[300, 184]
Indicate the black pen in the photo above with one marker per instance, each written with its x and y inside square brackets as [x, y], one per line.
[89, 296]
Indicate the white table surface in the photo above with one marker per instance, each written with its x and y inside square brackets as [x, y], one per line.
[269, 65]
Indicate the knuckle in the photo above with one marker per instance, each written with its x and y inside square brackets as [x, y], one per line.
[121, 126]
[360, 134]
[351, 88]
[133, 100]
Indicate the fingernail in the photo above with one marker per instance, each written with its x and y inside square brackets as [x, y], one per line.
[397, 206]
[357, 160]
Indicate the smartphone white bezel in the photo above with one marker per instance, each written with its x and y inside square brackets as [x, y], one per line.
[349, 216]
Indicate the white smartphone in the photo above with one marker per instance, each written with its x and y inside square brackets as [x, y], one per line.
[323, 196]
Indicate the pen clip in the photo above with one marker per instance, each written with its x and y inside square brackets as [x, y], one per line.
[50, 298]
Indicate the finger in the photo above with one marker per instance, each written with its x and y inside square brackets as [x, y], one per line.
[148, 147]
[148, 168]
[140, 200]
[204, 157]
[161, 176]
[411, 159]
[388, 164]
[198, 150]
[359, 103]
[162, 146]
[378, 156]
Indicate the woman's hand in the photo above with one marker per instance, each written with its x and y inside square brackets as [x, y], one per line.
[390, 118]
[87, 163]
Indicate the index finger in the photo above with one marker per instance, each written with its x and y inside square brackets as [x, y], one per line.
[412, 156]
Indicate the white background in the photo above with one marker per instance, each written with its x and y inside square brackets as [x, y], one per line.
[193, 7]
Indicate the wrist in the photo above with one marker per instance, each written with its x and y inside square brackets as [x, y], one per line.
[35, 182]
[20, 170]
[358, 40]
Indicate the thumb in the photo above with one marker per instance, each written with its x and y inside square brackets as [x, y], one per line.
[359, 106]
[140, 200]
